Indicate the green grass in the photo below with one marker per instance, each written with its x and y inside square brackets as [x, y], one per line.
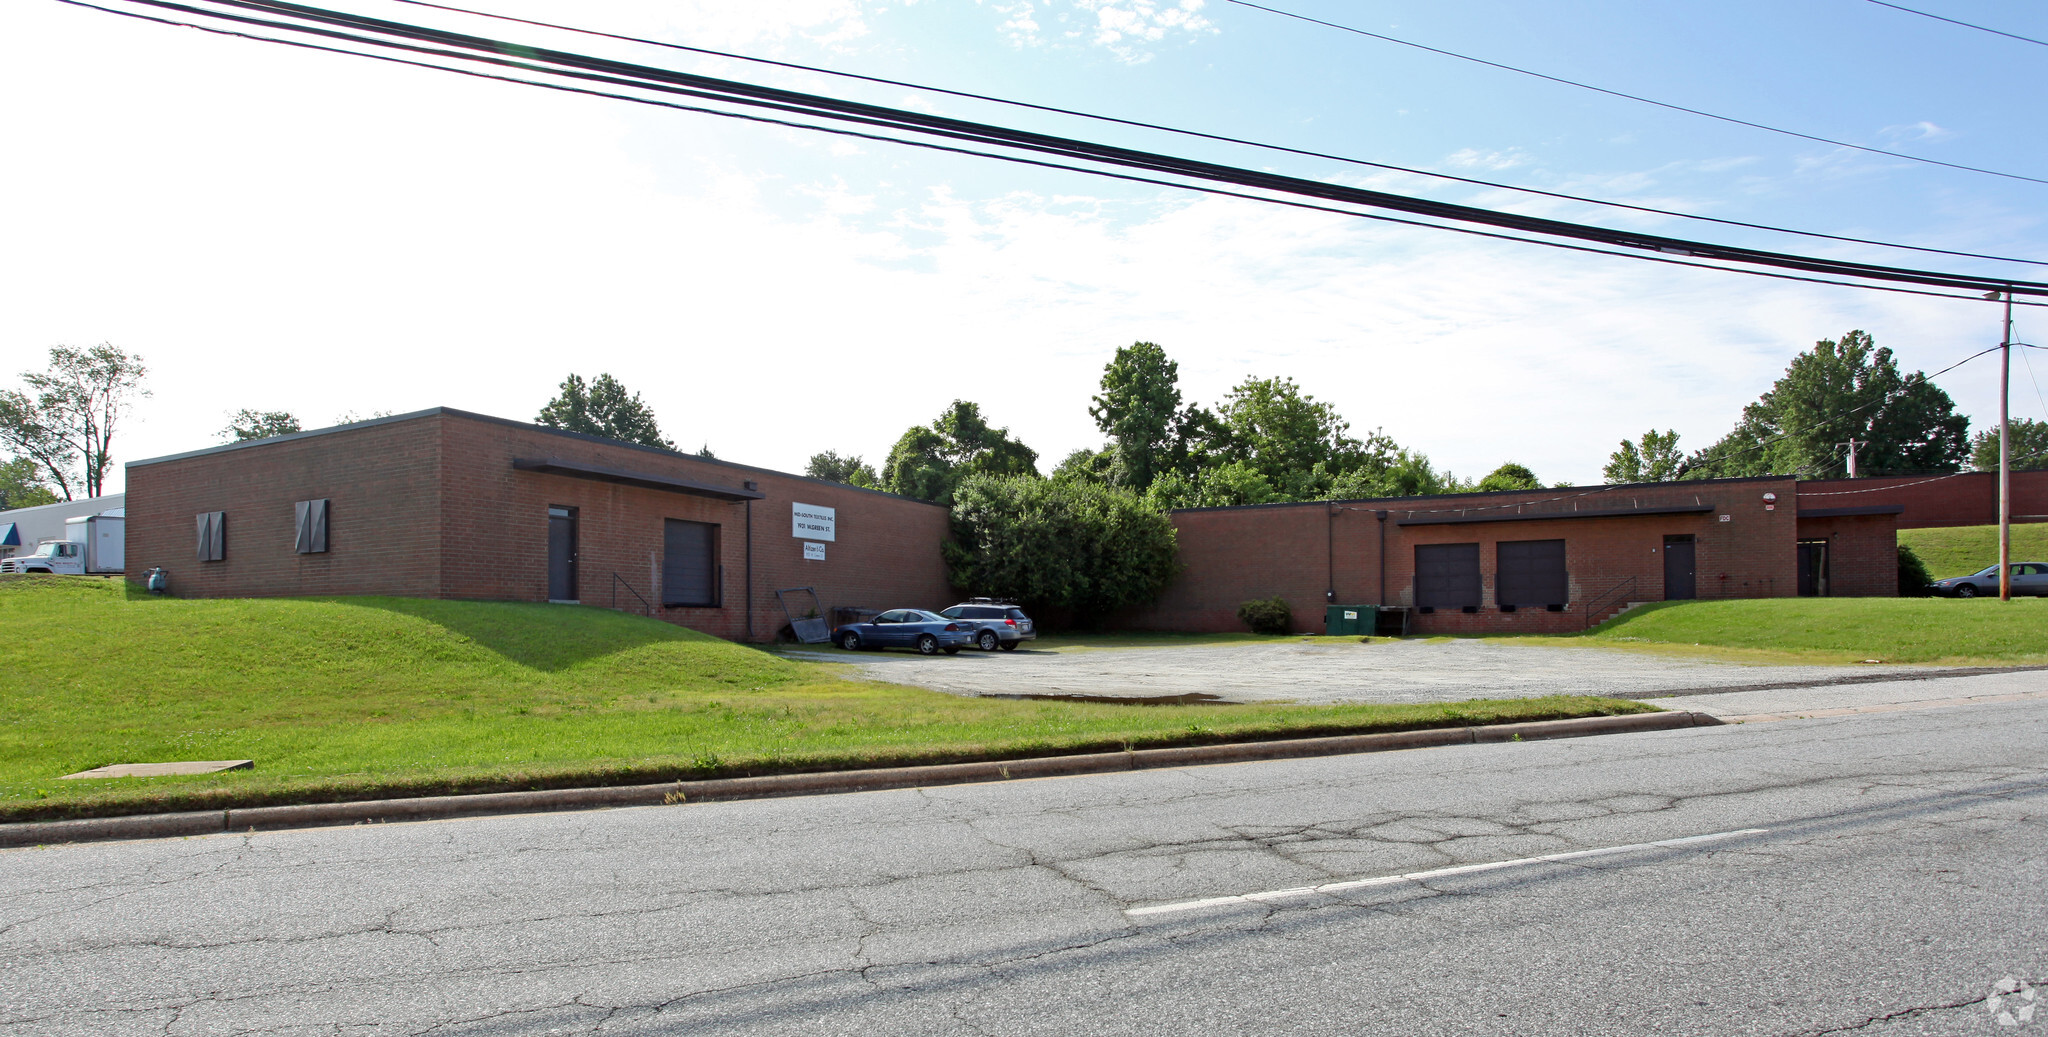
[345, 698]
[1834, 630]
[1962, 550]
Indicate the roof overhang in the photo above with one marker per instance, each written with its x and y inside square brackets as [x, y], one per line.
[1423, 519]
[629, 477]
[1867, 509]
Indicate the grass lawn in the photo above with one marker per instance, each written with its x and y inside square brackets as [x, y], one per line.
[345, 698]
[1962, 550]
[1981, 631]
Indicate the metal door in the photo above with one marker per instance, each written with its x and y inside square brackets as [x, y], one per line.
[1679, 584]
[562, 554]
[1813, 568]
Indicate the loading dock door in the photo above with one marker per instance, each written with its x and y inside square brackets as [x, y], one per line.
[562, 554]
[689, 565]
[1447, 576]
[1530, 572]
[1679, 582]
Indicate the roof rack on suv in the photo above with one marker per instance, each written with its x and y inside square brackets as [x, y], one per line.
[990, 601]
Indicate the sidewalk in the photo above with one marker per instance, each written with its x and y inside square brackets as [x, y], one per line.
[1882, 696]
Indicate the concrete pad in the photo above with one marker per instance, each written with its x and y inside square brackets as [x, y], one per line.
[158, 770]
[1794, 703]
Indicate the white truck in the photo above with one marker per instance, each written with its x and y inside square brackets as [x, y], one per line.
[91, 545]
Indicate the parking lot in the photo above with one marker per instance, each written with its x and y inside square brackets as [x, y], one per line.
[1442, 670]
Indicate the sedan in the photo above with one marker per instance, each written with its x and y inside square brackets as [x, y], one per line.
[2027, 578]
[927, 632]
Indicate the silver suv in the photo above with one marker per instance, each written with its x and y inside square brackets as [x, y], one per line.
[997, 624]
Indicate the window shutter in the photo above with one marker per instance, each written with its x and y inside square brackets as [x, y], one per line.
[213, 540]
[311, 516]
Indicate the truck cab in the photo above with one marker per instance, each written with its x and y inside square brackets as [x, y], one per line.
[59, 557]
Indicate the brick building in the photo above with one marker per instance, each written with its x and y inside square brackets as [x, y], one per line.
[1544, 561]
[448, 504]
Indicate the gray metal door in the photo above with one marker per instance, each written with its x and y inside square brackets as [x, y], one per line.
[562, 554]
[1679, 582]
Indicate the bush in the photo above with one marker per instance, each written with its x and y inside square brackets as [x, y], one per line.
[1267, 615]
[1914, 579]
[1081, 548]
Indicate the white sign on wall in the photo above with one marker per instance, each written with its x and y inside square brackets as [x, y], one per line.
[814, 552]
[812, 522]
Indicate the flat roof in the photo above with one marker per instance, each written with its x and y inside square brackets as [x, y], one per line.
[473, 416]
[1538, 516]
[650, 480]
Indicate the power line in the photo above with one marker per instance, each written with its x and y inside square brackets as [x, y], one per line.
[430, 42]
[1637, 97]
[1199, 134]
[1964, 24]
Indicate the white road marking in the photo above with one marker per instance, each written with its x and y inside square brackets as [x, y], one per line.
[1423, 876]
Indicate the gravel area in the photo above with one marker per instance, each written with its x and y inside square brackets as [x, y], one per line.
[1382, 671]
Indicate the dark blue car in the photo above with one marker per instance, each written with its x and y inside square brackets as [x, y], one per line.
[930, 634]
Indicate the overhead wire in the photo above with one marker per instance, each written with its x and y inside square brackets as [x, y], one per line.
[1636, 97]
[1964, 24]
[430, 42]
[1202, 135]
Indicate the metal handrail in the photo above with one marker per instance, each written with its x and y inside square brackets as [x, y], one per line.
[620, 581]
[1618, 592]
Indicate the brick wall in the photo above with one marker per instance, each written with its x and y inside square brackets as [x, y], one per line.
[1302, 552]
[494, 542]
[429, 505]
[1863, 553]
[1966, 499]
[383, 523]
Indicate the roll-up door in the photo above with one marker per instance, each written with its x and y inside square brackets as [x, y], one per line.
[1447, 576]
[1531, 572]
[689, 564]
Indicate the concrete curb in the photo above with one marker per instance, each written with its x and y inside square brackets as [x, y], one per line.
[311, 815]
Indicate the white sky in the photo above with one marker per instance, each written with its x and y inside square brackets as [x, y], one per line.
[277, 229]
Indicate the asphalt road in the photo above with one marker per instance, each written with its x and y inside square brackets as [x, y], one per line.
[1386, 670]
[1876, 873]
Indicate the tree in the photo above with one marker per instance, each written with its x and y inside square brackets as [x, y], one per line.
[1081, 548]
[1085, 465]
[246, 424]
[1300, 444]
[2029, 446]
[70, 412]
[1139, 409]
[1510, 476]
[831, 467]
[1657, 460]
[1835, 392]
[603, 408]
[930, 460]
[21, 485]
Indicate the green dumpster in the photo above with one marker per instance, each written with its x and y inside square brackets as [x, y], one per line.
[1349, 619]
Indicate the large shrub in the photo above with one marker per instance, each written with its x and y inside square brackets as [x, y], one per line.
[1914, 579]
[1266, 615]
[1084, 549]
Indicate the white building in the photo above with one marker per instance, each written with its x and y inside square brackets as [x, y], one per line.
[22, 528]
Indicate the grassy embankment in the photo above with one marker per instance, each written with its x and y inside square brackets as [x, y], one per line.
[1962, 550]
[1982, 631]
[370, 697]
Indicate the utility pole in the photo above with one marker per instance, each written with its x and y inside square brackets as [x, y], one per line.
[2005, 451]
[1852, 445]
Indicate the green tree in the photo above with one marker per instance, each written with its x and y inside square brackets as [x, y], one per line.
[1510, 476]
[1835, 392]
[1656, 460]
[1139, 409]
[1081, 548]
[1300, 444]
[246, 424]
[1085, 465]
[2029, 446]
[21, 485]
[831, 467]
[603, 408]
[930, 460]
[70, 412]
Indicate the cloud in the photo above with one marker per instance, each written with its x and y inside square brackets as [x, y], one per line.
[1914, 132]
[1125, 28]
[1473, 158]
